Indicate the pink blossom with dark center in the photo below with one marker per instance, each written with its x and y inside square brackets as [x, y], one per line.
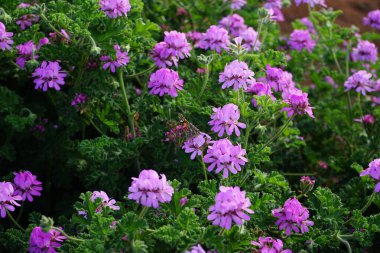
[233, 23]
[27, 21]
[41, 241]
[373, 19]
[121, 59]
[301, 39]
[367, 119]
[360, 82]
[298, 102]
[26, 185]
[115, 8]
[5, 38]
[195, 37]
[292, 217]
[8, 198]
[161, 56]
[373, 170]
[150, 190]
[236, 4]
[215, 38]
[231, 205]
[236, 74]
[177, 44]
[49, 75]
[222, 155]
[225, 119]
[312, 3]
[364, 51]
[250, 39]
[270, 245]
[196, 145]
[259, 89]
[165, 81]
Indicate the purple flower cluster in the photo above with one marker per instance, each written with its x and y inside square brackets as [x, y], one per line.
[106, 201]
[292, 217]
[5, 38]
[195, 37]
[260, 89]
[150, 190]
[278, 79]
[26, 185]
[360, 82]
[270, 245]
[250, 39]
[236, 74]
[196, 249]
[274, 8]
[236, 4]
[224, 156]
[196, 145]
[373, 170]
[41, 241]
[165, 81]
[233, 23]
[122, 59]
[373, 19]
[115, 8]
[312, 3]
[301, 39]
[215, 38]
[28, 51]
[226, 119]
[309, 25]
[298, 102]
[49, 75]
[366, 119]
[174, 47]
[364, 51]
[27, 21]
[8, 198]
[231, 205]
[79, 99]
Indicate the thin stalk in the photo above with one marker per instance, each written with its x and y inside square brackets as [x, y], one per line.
[345, 242]
[20, 212]
[258, 33]
[13, 220]
[369, 202]
[361, 113]
[42, 15]
[336, 61]
[128, 107]
[68, 237]
[205, 81]
[151, 67]
[204, 166]
[247, 134]
[96, 127]
[143, 212]
[298, 174]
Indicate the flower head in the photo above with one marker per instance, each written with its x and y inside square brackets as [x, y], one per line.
[177, 44]
[27, 21]
[250, 39]
[306, 184]
[309, 25]
[196, 145]
[236, 74]
[161, 56]
[233, 23]
[105, 201]
[260, 89]
[8, 198]
[364, 51]
[270, 245]
[298, 102]
[224, 156]
[367, 119]
[115, 8]
[165, 81]
[79, 98]
[215, 38]
[27, 185]
[236, 4]
[26, 52]
[292, 217]
[360, 82]
[150, 190]
[23, 5]
[226, 119]
[373, 19]
[195, 37]
[231, 205]
[373, 170]
[5, 38]
[121, 59]
[49, 75]
[196, 249]
[41, 241]
[312, 3]
[301, 39]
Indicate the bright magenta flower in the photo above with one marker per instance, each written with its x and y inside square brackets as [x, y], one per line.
[115, 8]
[374, 171]
[27, 185]
[8, 198]
[226, 119]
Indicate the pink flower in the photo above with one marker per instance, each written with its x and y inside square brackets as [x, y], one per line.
[250, 39]
[65, 36]
[79, 99]
[165, 81]
[260, 89]
[367, 119]
[374, 171]
[177, 44]
[373, 19]
[195, 37]
[26, 52]
[312, 3]
[215, 38]
[27, 185]
[360, 82]
[27, 21]
[223, 155]
[292, 217]
[49, 75]
[298, 102]
[270, 245]
[8, 198]
[233, 23]
[150, 190]
[115, 8]
[301, 39]
[196, 249]
[23, 5]
[5, 38]
[236, 4]
[226, 119]
[236, 74]
[183, 201]
[121, 59]
[41, 241]
[196, 145]
[231, 205]
[364, 51]
[323, 164]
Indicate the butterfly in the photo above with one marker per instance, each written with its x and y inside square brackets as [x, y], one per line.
[189, 130]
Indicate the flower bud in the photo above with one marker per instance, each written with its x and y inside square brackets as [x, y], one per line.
[46, 223]
[306, 184]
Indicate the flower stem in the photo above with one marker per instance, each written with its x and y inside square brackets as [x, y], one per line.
[205, 81]
[369, 202]
[361, 113]
[247, 134]
[143, 212]
[68, 237]
[151, 67]
[128, 107]
[345, 242]
[20, 212]
[13, 220]
[204, 166]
